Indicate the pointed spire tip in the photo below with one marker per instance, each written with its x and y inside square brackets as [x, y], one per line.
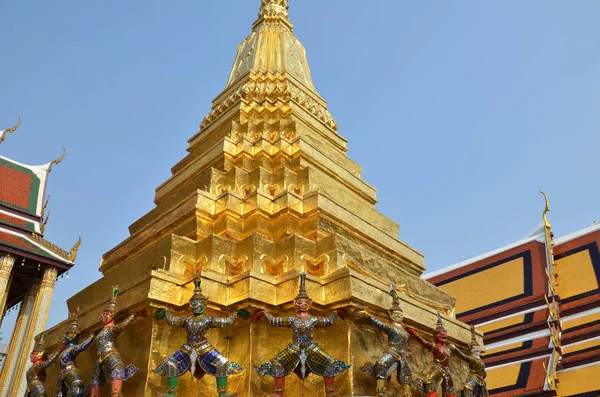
[273, 8]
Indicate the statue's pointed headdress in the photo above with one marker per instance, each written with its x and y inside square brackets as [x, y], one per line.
[439, 326]
[302, 292]
[198, 295]
[74, 326]
[112, 304]
[395, 299]
[474, 342]
[40, 343]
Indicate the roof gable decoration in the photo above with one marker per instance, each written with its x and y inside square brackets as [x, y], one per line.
[22, 187]
[553, 303]
[12, 129]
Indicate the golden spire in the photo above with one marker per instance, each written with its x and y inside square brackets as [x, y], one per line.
[272, 47]
[11, 129]
[271, 73]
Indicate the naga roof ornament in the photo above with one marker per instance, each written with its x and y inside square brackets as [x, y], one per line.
[58, 160]
[11, 129]
[73, 252]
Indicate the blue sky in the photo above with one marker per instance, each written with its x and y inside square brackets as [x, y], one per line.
[458, 111]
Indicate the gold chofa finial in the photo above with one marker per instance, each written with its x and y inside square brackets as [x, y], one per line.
[44, 223]
[273, 8]
[546, 210]
[45, 206]
[58, 160]
[73, 253]
[11, 130]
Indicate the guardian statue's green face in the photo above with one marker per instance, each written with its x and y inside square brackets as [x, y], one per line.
[197, 306]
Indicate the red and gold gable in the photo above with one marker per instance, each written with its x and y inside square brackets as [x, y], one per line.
[21, 186]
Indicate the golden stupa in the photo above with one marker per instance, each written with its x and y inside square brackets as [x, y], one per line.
[265, 192]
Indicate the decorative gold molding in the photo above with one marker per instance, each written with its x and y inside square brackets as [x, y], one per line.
[274, 89]
[47, 244]
[196, 266]
[274, 267]
[233, 266]
[316, 266]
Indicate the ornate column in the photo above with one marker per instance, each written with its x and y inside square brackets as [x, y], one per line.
[35, 324]
[17, 339]
[6, 264]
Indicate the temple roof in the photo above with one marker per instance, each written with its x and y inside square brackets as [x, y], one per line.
[23, 215]
[538, 302]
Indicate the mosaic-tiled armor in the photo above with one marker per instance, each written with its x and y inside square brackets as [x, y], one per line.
[303, 356]
[69, 379]
[439, 372]
[36, 374]
[109, 364]
[475, 385]
[394, 357]
[197, 356]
